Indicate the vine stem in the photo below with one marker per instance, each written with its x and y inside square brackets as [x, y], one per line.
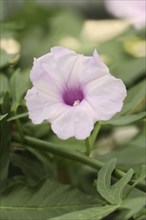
[41, 145]
[89, 142]
[88, 147]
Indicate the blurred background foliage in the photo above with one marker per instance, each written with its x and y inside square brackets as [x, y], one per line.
[29, 29]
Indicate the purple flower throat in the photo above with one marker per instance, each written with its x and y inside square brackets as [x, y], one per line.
[72, 96]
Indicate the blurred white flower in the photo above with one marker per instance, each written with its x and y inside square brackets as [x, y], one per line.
[103, 30]
[133, 10]
[10, 46]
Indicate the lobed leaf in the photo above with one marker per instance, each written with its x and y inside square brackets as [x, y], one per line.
[130, 207]
[49, 199]
[141, 214]
[112, 193]
[88, 214]
[141, 177]
[118, 188]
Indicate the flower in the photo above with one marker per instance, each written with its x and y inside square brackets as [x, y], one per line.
[72, 92]
[133, 10]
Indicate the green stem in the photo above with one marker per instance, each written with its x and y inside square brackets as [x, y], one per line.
[89, 142]
[73, 155]
[94, 134]
[88, 148]
[20, 129]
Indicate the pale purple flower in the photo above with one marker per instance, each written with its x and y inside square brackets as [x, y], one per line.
[133, 10]
[73, 92]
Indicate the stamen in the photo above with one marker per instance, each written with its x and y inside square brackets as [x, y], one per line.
[72, 96]
[77, 102]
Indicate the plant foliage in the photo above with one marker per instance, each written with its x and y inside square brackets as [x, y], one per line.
[43, 177]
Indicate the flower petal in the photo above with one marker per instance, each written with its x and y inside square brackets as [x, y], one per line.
[106, 96]
[72, 65]
[68, 63]
[92, 68]
[43, 107]
[84, 120]
[63, 126]
[76, 121]
[59, 52]
[56, 66]
[42, 80]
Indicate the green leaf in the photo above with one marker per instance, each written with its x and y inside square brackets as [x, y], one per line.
[5, 58]
[30, 168]
[141, 176]
[22, 115]
[112, 193]
[48, 199]
[49, 167]
[130, 207]
[135, 96]
[88, 214]
[117, 189]
[5, 106]
[3, 116]
[19, 84]
[5, 138]
[126, 119]
[141, 215]
[104, 180]
[4, 84]
[34, 164]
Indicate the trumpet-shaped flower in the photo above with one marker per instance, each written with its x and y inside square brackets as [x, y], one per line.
[72, 92]
[133, 10]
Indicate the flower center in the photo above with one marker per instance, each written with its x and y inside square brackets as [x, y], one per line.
[73, 96]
